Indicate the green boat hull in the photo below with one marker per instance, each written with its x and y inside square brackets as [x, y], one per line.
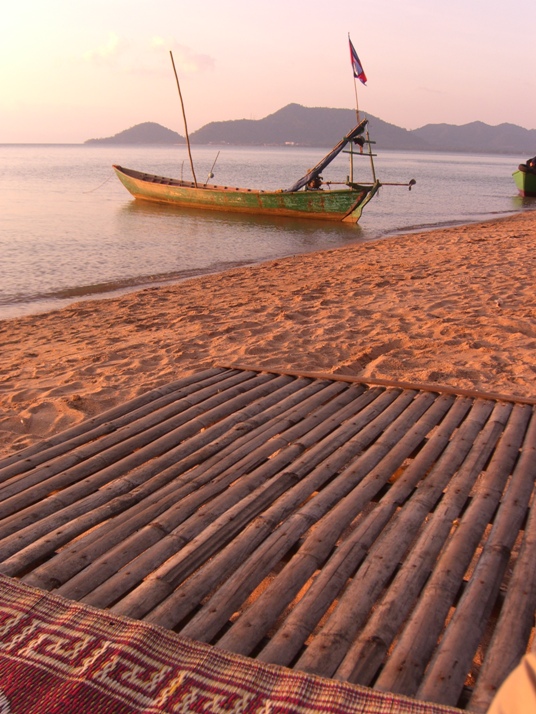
[340, 205]
[526, 183]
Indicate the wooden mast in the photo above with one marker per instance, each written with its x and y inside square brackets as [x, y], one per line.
[184, 117]
[368, 142]
[356, 115]
[356, 101]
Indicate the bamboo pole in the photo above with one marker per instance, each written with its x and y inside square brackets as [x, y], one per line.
[145, 564]
[356, 102]
[330, 520]
[294, 631]
[516, 627]
[513, 631]
[372, 167]
[404, 668]
[213, 538]
[171, 611]
[176, 566]
[136, 485]
[302, 458]
[225, 460]
[103, 467]
[114, 443]
[93, 428]
[314, 469]
[184, 117]
[211, 172]
[445, 677]
[196, 505]
[396, 443]
[420, 386]
[447, 576]
[329, 646]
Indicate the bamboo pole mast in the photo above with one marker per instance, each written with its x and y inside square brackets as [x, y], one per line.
[368, 142]
[184, 117]
[358, 120]
[355, 83]
[356, 115]
[356, 100]
[372, 167]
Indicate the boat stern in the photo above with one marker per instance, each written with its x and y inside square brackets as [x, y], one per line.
[354, 214]
[526, 183]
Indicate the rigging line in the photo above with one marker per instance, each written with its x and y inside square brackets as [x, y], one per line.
[100, 185]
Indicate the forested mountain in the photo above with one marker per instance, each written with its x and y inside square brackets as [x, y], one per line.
[323, 127]
[147, 133]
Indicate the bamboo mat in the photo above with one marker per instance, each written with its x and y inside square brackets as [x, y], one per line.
[380, 535]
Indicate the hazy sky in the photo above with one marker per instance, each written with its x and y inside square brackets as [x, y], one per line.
[71, 70]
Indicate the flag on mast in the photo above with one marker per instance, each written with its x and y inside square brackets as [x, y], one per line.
[357, 67]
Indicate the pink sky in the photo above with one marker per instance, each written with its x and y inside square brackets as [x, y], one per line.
[70, 71]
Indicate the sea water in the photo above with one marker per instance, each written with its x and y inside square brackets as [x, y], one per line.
[69, 230]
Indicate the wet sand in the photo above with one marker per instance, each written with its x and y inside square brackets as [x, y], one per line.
[454, 307]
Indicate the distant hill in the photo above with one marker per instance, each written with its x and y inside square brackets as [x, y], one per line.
[479, 137]
[147, 133]
[303, 126]
[323, 127]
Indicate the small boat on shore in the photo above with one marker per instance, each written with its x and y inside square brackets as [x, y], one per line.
[306, 198]
[309, 197]
[525, 178]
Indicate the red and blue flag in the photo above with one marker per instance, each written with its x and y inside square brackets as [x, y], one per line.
[357, 67]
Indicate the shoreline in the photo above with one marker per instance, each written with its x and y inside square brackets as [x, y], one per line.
[452, 306]
[51, 303]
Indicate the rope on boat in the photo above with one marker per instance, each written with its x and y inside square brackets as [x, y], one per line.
[100, 185]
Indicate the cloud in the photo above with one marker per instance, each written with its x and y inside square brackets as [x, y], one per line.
[107, 53]
[147, 56]
[185, 58]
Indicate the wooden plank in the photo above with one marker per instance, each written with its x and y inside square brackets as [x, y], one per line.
[391, 383]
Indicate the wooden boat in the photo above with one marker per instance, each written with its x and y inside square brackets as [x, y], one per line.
[525, 178]
[304, 199]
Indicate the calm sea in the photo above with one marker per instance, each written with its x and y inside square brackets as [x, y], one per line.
[69, 230]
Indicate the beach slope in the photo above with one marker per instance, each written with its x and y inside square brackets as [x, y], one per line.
[455, 306]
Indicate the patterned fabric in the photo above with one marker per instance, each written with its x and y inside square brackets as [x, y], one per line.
[58, 656]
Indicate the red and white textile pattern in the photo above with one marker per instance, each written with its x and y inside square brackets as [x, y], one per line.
[58, 656]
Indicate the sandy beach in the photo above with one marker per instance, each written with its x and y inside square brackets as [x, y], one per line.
[454, 307]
